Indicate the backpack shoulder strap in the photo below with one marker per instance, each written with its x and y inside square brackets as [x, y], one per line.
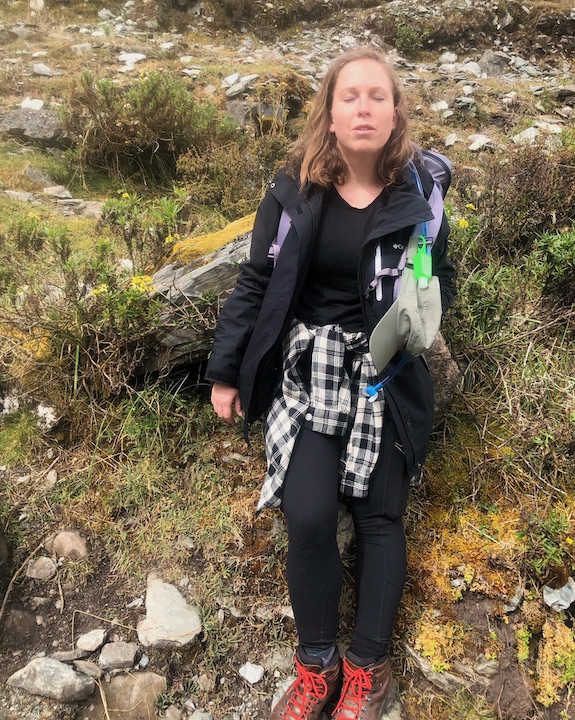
[283, 229]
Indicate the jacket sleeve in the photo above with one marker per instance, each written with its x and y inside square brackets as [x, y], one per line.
[240, 311]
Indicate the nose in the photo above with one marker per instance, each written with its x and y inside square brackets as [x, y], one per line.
[362, 105]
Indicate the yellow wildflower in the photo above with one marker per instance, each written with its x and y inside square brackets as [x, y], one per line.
[125, 195]
[470, 206]
[569, 540]
[100, 290]
[143, 283]
[463, 223]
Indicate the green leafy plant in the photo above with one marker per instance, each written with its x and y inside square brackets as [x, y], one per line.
[139, 131]
[547, 544]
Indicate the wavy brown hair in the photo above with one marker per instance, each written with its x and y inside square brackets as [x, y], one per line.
[315, 156]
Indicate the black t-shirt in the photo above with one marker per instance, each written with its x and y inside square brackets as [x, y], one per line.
[330, 294]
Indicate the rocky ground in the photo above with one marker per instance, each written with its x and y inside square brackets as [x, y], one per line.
[502, 75]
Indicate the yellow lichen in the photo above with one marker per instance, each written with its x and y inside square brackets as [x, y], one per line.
[193, 248]
[473, 551]
[438, 640]
[556, 662]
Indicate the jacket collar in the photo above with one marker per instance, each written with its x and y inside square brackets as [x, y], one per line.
[404, 204]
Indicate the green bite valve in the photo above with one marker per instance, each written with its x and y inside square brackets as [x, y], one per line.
[422, 269]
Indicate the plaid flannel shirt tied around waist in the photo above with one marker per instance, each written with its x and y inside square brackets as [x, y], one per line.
[334, 404]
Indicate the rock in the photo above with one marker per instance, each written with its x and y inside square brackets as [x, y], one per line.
[38, 176]
[446, 682]
[19, 196]
[527, 137]
[51, 678]
[93, 640]
[69, 544]
[19, 627]
[251, 673]
[41, 568]
[58, 191]
[43, 127]
[478, 141]
[88, 668]
[41, 69]
[493, 63]
[201, 715]
[446, 376]
[172, 713]
[240, 86]
[31, 104]
[562, 598]
[514, 602]
[439, 106]
[128, 697]
[170, 621]
[81, 48]
[67, 656]
[131, 58]
[117, 655]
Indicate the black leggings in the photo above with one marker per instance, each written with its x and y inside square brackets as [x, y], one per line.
[314, 570]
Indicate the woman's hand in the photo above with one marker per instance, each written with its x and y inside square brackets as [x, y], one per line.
[226, 401]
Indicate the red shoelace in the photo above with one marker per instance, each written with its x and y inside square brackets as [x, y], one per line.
[308, 689]
[357, 685]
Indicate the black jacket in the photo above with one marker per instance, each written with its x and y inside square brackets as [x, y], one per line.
[255, 319]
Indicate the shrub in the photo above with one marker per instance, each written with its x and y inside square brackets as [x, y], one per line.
[138, 132]
[231, 178]
[526, 193]
[146, 227]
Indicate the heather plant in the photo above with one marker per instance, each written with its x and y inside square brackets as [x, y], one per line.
[521, 195]
[138, 132]
[146, 227]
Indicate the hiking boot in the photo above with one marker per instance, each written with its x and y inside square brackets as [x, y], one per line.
[310, 692]
[367, 692]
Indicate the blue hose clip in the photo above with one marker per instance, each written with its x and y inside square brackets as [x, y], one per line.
[371, 391]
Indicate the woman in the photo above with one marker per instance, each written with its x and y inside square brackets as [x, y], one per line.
[292, 344]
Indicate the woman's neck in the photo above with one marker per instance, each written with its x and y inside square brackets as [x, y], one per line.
[361, 186]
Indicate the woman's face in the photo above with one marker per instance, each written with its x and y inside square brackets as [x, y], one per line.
[363, 111]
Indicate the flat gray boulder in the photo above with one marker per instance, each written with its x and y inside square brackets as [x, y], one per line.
[41, 127]
[52, 679]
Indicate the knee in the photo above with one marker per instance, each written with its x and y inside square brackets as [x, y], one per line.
[310, 526]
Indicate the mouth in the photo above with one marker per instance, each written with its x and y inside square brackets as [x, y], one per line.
[363, 128]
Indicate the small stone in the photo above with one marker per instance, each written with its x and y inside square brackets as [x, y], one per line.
[68, 543]
[67, 656]
[252, 673]
[88, 668]
[93, 640]
[478, 141]
[52, 679]
[131, 58]
[32, 104]
[118, 655]
[41, 568]
[439, 106]
[561, 598]
[41, 69]
[172, 713]
[81, 48]
[527, 137]
[58, 191]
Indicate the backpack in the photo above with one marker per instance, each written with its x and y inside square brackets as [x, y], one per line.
[439, 167]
